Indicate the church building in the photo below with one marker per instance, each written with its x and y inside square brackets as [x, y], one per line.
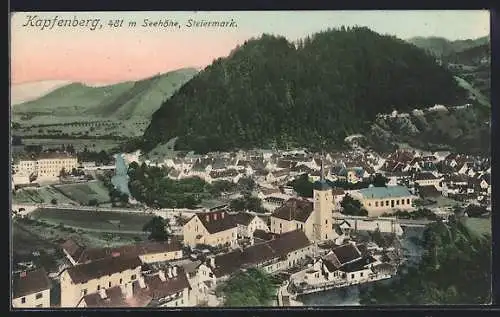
[314, 218]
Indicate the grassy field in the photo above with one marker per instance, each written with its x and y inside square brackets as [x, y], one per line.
[39, 195]
[93, 220]
[85, 192]
[479, 225]
[32, 236]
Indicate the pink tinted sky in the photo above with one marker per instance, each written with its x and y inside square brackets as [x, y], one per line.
[112, 55]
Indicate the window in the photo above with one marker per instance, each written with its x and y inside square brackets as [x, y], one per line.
[397, 202]
[121, 281]
[402, 201]
[376, 204]
[182, 301]
[133, 277]
[352, 275]
[387, 203]
[326, 221]
[370, 204]
[361, 274]
[23, 300]
[98, 287]
[408, 201]
[84, 291]
[109, 284]
[280, 225]
[297, 226]
[39, 295]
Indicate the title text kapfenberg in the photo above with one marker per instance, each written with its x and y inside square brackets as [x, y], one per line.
[35, 21]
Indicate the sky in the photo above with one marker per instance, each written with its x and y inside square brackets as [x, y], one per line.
[110, 54]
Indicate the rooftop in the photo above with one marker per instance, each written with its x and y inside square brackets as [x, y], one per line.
[294, 209]
[85, 272]
[384, 192]
[30, 282]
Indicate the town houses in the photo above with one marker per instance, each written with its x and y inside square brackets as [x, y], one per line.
[309, 235]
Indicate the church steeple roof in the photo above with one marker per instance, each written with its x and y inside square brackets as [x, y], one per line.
[322, 183]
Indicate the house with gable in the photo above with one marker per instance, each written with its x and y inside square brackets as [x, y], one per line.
[247, 224]
[215, 228]
[347, 264]
[31, 289]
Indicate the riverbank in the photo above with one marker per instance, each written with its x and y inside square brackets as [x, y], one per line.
[349, 295]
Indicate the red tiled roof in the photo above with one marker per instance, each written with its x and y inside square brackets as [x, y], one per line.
[216, 221]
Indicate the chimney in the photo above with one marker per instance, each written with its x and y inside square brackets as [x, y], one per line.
[161, 275]
[102, 293]
[169, 272]
[174, 271]
[23, 274]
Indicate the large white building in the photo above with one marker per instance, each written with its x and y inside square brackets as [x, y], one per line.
[45, 166]
[380, 200]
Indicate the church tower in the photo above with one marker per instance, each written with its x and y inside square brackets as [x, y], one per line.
[323, 207]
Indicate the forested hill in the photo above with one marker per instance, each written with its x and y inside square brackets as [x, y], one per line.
[270, 92]
[439, 46]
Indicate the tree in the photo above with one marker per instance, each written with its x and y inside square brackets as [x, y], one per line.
[157, 228]
[252, 287]
[246, 184]
[302, 186]
[353, 207]
[379, 180]
[63, 173]
[433, 281]
[221, 186]
[247, 202]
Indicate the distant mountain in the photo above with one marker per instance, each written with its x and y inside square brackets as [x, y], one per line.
[120, 101]
[20, 93]
[270, 92]
[439, 46]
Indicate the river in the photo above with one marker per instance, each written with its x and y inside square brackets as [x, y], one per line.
[120, 179]
[349, 296]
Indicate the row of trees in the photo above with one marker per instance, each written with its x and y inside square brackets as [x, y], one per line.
[455, 269]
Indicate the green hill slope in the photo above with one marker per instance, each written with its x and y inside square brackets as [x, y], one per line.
[439, 46]
[270, 92]
[120, 101]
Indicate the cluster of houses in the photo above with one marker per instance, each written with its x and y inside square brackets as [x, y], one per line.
[185, 270]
